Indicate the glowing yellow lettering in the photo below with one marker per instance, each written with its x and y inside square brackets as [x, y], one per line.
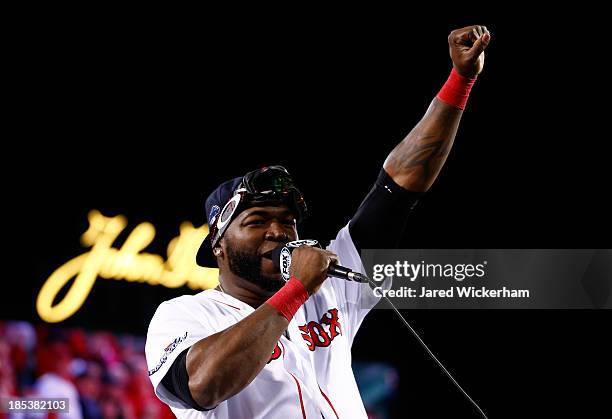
[126, 263]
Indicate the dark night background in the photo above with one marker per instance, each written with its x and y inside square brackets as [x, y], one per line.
[144, 119]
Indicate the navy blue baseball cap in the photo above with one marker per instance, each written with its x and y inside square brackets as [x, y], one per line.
[271, 185]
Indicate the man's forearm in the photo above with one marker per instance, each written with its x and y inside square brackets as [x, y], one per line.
[415, 163]
[222, 364]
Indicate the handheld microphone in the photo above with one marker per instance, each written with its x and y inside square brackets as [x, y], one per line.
[281, 257]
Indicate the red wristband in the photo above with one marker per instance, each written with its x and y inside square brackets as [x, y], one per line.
[456, 90]
[289, 298]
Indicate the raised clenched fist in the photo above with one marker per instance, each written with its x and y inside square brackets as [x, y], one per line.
[467, 47]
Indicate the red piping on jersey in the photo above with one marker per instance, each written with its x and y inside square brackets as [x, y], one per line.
[226, 304]
[300, 393]
[283, 348]
[330, 403]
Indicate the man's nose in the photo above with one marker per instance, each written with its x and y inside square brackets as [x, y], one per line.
[276, 232]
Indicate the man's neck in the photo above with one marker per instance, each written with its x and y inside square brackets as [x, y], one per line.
[243, 290]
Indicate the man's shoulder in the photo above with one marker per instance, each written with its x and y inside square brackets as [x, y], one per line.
[342, 241]
[189, 300]
[188, 312]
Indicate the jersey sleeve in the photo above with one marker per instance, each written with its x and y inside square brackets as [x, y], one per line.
[173, 329]
[356, 298]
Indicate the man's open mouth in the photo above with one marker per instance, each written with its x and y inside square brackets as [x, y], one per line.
[268, 254]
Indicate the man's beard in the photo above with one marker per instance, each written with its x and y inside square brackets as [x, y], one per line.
[248, 267]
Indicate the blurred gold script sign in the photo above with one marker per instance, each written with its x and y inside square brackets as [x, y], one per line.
[125, 263]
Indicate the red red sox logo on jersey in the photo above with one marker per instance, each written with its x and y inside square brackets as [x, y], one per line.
[276, 353]
[322, 333]
[316, 334]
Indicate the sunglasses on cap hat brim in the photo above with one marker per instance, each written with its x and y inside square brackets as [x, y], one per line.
[267, 186]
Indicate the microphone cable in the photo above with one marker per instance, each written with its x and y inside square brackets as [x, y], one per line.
[418, 338]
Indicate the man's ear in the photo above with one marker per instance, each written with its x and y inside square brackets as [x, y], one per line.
[218, 249]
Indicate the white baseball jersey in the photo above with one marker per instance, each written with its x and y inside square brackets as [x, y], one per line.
[308, 375]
